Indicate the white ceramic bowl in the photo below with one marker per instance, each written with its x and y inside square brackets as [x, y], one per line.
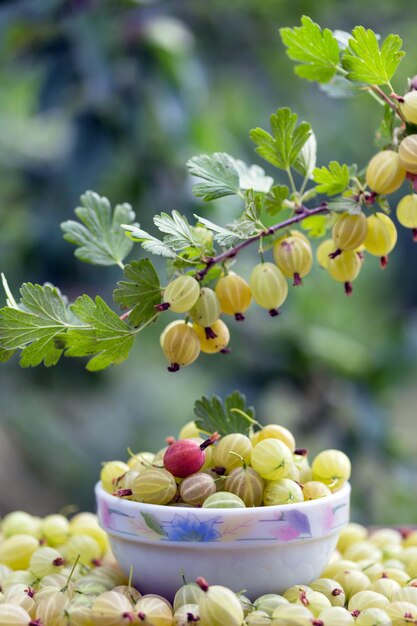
[261, 550]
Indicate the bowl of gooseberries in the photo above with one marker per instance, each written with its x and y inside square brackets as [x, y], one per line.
[246, 510]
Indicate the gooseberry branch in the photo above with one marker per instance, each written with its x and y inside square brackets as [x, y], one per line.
[380, 93]
[90, 328]
[301, 214]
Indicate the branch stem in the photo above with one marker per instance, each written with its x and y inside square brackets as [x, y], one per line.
[300, 215]
[383, 96]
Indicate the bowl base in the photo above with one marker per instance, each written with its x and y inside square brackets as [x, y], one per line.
[256, 570]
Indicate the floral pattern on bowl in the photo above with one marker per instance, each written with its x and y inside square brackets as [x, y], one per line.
[277, 524]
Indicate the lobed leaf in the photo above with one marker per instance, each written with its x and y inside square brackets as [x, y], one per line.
[366, 62]
[316, 50]
[307, 157]
[98, 235]
[342, 204]
[140, 292]
[213, 415]
[384, 133]
[179, 233]
[316, 225]
[226, 176]
[149, 242]
[225, 237]
[36, 325]
[275, 198]
[333, 179]
[219, 173]
[284, 145]
[106, 337]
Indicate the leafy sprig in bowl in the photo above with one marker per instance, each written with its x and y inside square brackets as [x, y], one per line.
[258, 548]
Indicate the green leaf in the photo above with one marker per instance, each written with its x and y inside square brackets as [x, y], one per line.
[366, 62]
[332, 179]
[149, 242]
[306, 160]
[342, 204]
[220, 174]
[317, 51]
[316, 225]
[384, 134]
[284, 145]
[275, 198]
[226, 176]
[5, 355]
[98, 234]
[225, 237]
[152, 523]
[340, 87]
[383, 203]
[36, 325]
[106, 337]
[140, 292]
[252, 177]
[179, 234]
[254, 206]
[213, 415]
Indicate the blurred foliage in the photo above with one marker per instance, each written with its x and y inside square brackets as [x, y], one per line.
[116, 96]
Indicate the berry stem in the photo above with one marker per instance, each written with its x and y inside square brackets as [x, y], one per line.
[239, 456]
[209, 442]
[348, 288]
[383, 96]
[300, 215]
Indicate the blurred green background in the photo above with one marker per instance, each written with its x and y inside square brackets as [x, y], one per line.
[115, 96]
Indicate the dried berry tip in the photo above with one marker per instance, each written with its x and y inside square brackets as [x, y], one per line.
[301, 451]
[413, 178]
[239, 317]
[141, 616]
[174, 367]
[30, 592]
[210, 334]
[348, 288]
[209, 442]
[336, 592]
[297, 280]
[122, 493]
[58, 561]
[162, 307]
[414, 234]
[273, 312]
[355, 613]
[225, 350]
[202, 583]
[169, 440]
[335, 254]
[405, 532]
[383, 261]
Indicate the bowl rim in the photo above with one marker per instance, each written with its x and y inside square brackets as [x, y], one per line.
[308, 506]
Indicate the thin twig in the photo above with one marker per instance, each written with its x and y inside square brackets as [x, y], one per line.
[383, 96]
[301, 214]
